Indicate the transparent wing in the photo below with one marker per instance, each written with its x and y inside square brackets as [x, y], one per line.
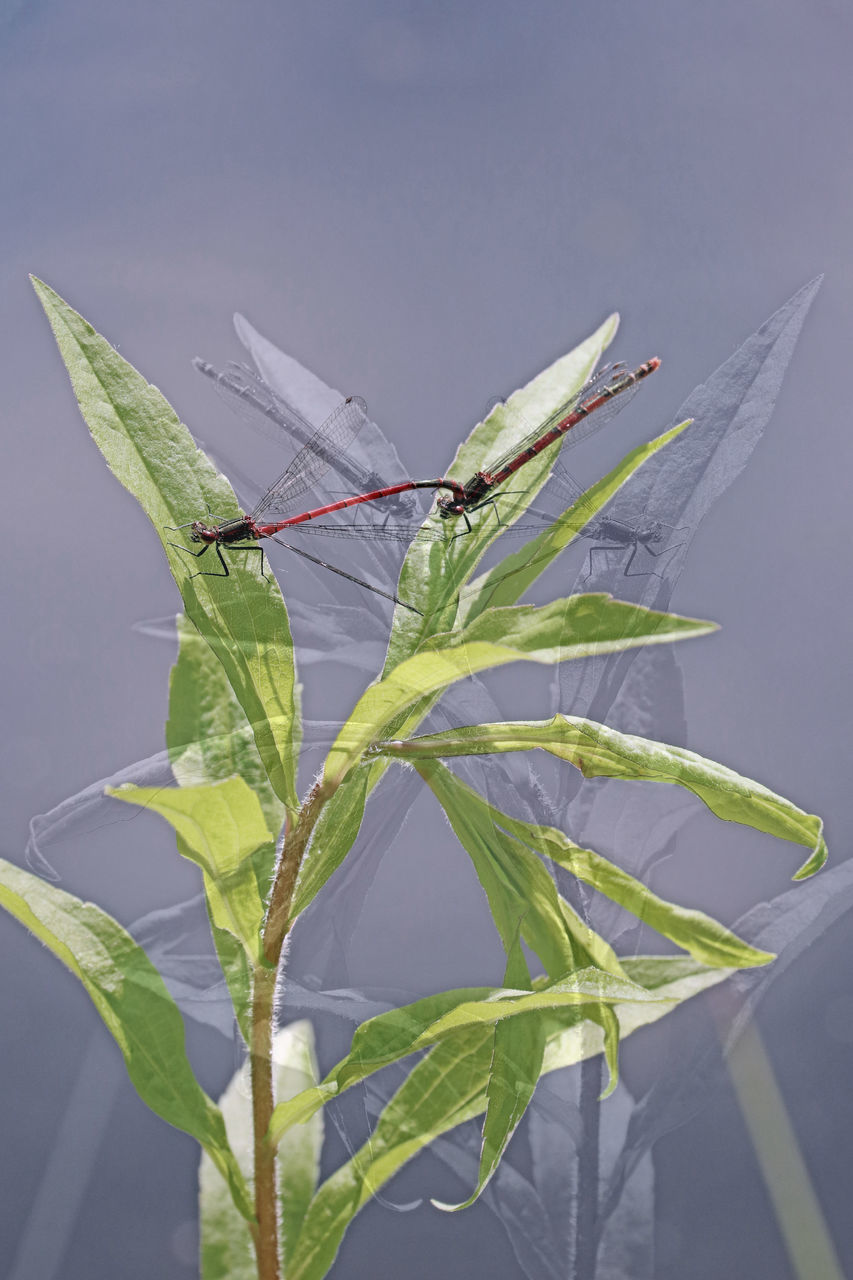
[248, 395]
[320, 452]
[571, 492]
[586, 426]
[371, 532]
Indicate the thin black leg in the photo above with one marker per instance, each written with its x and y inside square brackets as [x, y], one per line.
[226, 574]
[630, 561]
[468, 529]
[489, 502]
[651, 573]
[663, 550]
[604, 546]
[180, 547]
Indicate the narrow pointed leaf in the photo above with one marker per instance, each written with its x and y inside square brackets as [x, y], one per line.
[242, 617]
[512, 576]
[600, 752]
[448, 1087]
[516, 1065]
[674, 978]
[133, 1002]
[209, 740]
[586, 986]
[220, 827]
[517, 882]
[572, 628]
[334, 834]
[432, 575]
[699, 934]
[207, 733]
[394, 1035]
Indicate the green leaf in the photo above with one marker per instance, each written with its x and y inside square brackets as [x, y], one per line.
[209, 740]
[299, 1151]
[674, 978]
[138, 1011]
[600, 752]
[512, 576]
[432, 574]
[236, 969]
[396, 1034]
[242, 617]
[573, 628]
[334, 834]
[220, 828]
[516, 1065]
[226, 1244]
[586, 986]
[443, 1090]
[207, 733]
[376, 1043]
[609, 1024]
[448, 1087]
[517, 883]
[699, 934]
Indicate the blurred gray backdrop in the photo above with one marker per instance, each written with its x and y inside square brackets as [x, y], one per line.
[425, 203]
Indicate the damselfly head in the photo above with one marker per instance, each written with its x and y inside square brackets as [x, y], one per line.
[449, 507]
[199, 532]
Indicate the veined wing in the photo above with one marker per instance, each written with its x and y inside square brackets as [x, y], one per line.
[609, 375]
[249, 395]
[315, 458]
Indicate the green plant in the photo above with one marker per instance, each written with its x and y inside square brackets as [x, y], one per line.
[234, 721]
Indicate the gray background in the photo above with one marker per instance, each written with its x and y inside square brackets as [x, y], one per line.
[425, 203]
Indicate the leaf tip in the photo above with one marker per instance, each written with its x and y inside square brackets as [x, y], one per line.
[818, 857]
[453, 1208]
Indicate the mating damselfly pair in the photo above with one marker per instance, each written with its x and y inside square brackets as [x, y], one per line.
[327, 447]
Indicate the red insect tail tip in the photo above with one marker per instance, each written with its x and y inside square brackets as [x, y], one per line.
[653, 364]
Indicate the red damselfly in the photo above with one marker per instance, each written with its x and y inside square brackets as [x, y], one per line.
[586, 411]
[324, 447]
[328, 444]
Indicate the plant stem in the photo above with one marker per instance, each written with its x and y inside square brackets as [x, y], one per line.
[265, 1231]
[295, 843]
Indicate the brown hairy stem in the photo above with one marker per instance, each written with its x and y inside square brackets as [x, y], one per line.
[265, 1229]
[295, 844]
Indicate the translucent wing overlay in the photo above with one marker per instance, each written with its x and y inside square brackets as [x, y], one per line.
[314, 459]
[582, 430]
